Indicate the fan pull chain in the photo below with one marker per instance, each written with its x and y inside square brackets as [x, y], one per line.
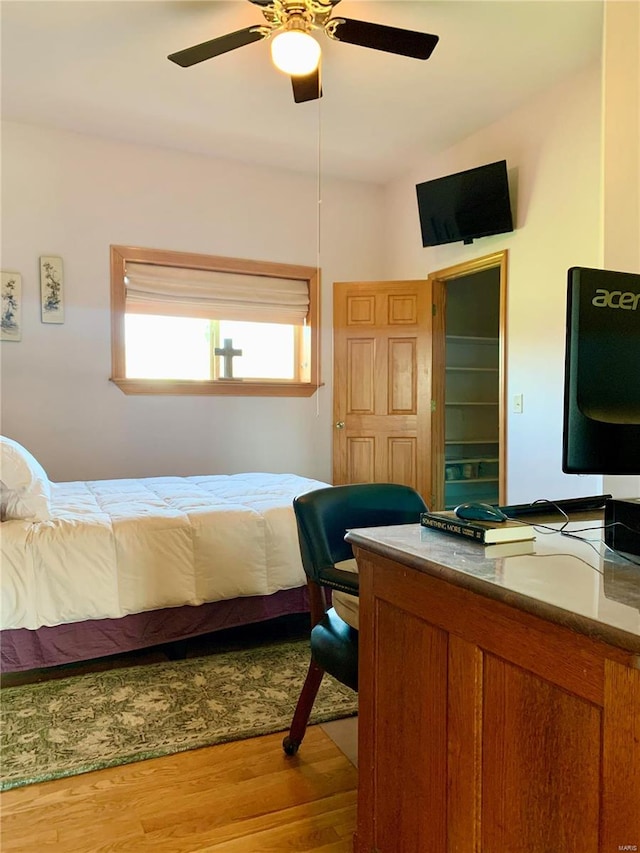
[318, 239]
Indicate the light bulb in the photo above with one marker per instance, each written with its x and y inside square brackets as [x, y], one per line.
[295, 53]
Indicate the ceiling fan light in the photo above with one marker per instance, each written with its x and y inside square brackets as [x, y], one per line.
[296, 53]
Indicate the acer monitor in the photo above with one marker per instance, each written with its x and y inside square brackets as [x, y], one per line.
[466, 205]
[601, 430]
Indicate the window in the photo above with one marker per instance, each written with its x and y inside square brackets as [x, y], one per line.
[198, 324]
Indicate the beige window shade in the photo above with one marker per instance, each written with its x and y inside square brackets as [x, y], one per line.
[211, 294]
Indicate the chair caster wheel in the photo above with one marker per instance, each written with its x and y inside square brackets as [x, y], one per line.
[290, 746]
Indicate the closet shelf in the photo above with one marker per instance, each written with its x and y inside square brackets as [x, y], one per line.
[471, 440]
[470, 459]
[471, 339]
[470, 406]
[481, 403]
[472, 480]
[454, 368]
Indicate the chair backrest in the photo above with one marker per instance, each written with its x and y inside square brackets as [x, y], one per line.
[324, 516]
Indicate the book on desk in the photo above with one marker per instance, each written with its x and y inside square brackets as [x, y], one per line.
[485, 532]
[521, 548]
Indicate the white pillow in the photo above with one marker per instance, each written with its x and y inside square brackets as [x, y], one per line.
[26, 490]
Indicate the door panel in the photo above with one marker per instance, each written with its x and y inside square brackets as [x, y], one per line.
[360, 455]
[401, 371]
[402, 454]
[403, 309]
[360, 389]
[361, 310]
[534, 737]
[382, 383]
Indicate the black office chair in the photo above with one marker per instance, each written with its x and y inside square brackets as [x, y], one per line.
[323, 518]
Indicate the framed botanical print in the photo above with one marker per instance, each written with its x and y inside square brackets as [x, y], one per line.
[11, 316]
[51, 289]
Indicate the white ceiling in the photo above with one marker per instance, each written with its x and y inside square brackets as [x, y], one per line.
[101, 68]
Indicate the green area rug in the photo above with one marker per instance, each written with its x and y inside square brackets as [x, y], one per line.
[88, 722]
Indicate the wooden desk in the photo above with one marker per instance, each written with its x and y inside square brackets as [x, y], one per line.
[499, 699]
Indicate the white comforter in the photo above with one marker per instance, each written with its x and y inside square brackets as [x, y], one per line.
[115, 547]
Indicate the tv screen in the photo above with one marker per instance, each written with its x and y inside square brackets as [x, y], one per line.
[601, 433]
[465, 206]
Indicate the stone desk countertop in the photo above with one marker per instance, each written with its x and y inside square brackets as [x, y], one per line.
[580, 584]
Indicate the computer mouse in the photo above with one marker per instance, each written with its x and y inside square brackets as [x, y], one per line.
[479, 512]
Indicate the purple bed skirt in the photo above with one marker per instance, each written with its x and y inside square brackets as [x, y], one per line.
[22, 649]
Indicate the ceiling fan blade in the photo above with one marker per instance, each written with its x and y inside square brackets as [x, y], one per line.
[208, 49]
[307, 87]
[381, 37]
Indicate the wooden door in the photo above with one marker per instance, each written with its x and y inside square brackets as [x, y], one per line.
[382, 383]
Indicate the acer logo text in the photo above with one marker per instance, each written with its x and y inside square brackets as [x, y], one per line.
[616, 299]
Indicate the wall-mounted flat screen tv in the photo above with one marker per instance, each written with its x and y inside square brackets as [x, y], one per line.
[465, 206]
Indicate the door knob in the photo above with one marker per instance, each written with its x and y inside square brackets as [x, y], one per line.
[340, 425]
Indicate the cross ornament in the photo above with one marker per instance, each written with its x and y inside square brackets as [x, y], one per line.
[228, 353]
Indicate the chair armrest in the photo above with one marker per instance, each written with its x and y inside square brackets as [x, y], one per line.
[339, 579]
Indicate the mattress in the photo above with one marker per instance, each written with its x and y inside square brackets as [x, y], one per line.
[117, 547]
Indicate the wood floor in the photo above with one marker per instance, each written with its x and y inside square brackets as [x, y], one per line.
[241, 797]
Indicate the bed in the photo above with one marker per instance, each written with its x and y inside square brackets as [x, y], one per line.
[100, 567]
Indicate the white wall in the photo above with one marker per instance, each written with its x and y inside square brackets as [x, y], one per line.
[73, 195]
[552, 148]
[621, 159]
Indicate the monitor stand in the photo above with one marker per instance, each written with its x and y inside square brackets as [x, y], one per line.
[622, 525]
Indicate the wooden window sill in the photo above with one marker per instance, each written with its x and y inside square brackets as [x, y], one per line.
[229, 387]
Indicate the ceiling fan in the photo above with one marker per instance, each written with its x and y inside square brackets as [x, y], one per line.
[293, 21]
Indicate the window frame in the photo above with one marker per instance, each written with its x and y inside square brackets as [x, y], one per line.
[299, 354]
[121, 255]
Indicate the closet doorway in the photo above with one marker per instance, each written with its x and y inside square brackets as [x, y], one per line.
[419, 382]
[469, 381]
